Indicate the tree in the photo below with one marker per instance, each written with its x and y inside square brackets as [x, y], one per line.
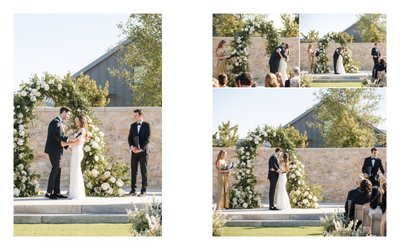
[372, 28]
[228, 136]
[300, 140]
[346, 117]
[227, 24]
[290, 25]
[311, 37]
[96, 96]
[140, 58]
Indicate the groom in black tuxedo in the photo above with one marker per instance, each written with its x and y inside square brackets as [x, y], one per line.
[55, 135]
[273, 175]
[139, 138]
[371, 166]
[335, 58]
[275, 57]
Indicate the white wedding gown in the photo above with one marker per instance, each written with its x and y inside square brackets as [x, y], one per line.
[282, 198]
[76, 184]
[282, 69]
[339, 65]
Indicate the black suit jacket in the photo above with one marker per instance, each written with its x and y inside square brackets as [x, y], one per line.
[374, 169]
[273, 164]
[350, 196]
[55, 135]
[336, 54]
[375, 52]
[144, 136]
[274, 59]
[360, 199]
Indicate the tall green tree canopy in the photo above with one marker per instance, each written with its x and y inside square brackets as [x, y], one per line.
[227, 24]
[372, 27]
[141, 51]
[290, 25]
[226, 136]
[311, 37]
[347, 117]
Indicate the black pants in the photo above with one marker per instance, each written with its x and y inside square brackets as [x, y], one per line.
[136, 159]
[273, 68]
[334, 63]
[273, 179]
[53, 185]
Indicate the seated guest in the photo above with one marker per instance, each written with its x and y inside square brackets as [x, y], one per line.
[294, 80]
[375, 204]
[222, 80]
[353, 193]
[280, 80]
[215, 83]
[363, 198]
[383, 220]
[271, 80]
[380, 70]
[244, 80]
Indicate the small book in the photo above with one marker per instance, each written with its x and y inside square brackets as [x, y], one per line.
[136, 141]
[231, 166]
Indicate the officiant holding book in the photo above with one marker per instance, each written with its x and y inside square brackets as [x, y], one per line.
[139, 138]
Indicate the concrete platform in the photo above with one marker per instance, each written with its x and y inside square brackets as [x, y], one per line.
[348, 77]
[34, 210]
[263, 217]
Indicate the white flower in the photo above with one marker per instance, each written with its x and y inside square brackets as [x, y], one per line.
[33, 98]
[23, 179]
[305, 201]
[112, 179]
[245, 205]
[105, 186]
[306, 193]
[20, 142]
[315, 199]
[20, 115]
[51, 81]
[21, 127]
[101, 134]
[248, 171]
[106, 174]
[22, 133]
[292, 176]
[16, 192]
[110, 191]
[95, 145]
[87, 148]
[46, 87]
[96, 158]
[23, 187]
[97, 139]
[309, 197]
[59, 87]
[298, 173]
[89, 185]
[94, 172]
[21, 156]
[120, 183]
[121, 192]
[20, 166]
[23, 93]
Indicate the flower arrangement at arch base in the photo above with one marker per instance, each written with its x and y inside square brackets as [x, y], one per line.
[101, 177]
[243, 193]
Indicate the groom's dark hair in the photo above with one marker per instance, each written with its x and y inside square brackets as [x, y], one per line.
[65, 109]
[373, 149]
[139, 111]
[278, 150]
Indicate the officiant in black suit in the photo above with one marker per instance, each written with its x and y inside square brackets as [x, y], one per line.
[335, 58]
[276, 57]
[55, 135]
[273, 175]
[371, 167]
[139, 138]
[376, 54]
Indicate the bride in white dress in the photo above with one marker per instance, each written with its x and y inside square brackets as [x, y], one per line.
[282, 198]
[76, 183]
[283, 65]
[339, 63]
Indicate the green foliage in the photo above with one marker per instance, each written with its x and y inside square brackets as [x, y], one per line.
[147, 221]
[337, 224]
[306, 80]
[226, 25]
[372, 28]
[66, 91]
[142, 52]
[299, 140]
[290, 25]
[343, 38]
[346, 117]
[241, 42]
[219, 222]
[243, 193]
[311, 37]
[228, 136]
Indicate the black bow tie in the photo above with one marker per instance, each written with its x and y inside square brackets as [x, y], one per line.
[139, 124]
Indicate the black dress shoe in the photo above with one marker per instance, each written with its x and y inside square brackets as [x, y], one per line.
[273, 208]
[50, 196]
[142, 194]
[60, 196]
[132, 193]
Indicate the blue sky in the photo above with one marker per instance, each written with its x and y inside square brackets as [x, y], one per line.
[325, 23]
[257, 106]
[58, 43]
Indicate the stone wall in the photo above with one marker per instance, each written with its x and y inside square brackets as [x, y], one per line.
[115, 124]
[361, 53]
[258, 59]
[334, 169]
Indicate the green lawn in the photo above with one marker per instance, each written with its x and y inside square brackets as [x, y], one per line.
[272, 231]
[335, 84]
[71, 229]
